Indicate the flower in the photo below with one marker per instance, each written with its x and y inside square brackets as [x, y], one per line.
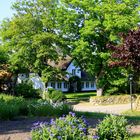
[72, 114]
[95, 137]
[59, 137]
[52, 122]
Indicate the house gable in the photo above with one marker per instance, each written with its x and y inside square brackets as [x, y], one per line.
[73, 70]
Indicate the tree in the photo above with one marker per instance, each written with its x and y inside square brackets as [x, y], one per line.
[5, 75]
[127, 54]
[88, 26]
[31, 36]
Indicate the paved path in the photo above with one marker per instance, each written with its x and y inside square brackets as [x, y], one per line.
[112, 109]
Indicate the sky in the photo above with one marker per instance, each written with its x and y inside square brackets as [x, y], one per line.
[5, 10]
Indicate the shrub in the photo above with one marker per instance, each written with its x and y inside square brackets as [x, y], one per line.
[113, 128]
[54, 95]
[12, 107]
[64, 128]
[26, 90]
[45, 108]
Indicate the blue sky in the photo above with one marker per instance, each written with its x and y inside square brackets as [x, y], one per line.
[5, 10]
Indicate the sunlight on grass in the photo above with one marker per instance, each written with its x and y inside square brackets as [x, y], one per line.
[80, 95]
[135, 137]
[131, 113]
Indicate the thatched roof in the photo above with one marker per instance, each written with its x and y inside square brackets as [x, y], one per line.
[61, 64]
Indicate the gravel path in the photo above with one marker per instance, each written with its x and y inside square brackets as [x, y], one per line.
[111, 109]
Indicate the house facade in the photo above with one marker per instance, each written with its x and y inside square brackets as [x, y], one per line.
[87, 83]
[81, 78]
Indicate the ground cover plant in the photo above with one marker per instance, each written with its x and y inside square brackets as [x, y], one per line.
[54, 95]
[12, 107]
[64, 128]
[70, 127]
[113, 128]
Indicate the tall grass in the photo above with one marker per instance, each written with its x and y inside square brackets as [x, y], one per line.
[11, 107]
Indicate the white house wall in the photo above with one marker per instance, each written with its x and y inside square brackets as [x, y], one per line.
[62, 86]
[36, 80]
[89, 88]
[70, 68]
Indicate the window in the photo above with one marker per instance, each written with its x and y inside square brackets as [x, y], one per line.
[82, 84]
[78, 70]
[73, 72]
[59, 85]
[87, 84]
[92, 84]
[53, 84]
[65, 85]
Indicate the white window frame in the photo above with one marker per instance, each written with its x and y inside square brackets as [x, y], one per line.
[92, 84]
[65, 85]
[73, 72]
[53, 84]
[87, 84]
[59, 85]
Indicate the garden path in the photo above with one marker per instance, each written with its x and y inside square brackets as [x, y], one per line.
[111, 109]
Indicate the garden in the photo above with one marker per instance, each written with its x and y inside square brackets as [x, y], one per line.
[102, 38]
[63, 123]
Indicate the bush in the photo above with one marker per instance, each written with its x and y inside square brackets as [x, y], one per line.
[45, 108]
[113, 128]
[26, 90]
[64, 128]
[12, 107]
[54, 95]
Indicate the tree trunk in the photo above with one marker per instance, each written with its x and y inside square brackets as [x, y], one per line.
[99, 91]
[99, 86]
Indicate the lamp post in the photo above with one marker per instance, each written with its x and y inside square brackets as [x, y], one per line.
[130, 81]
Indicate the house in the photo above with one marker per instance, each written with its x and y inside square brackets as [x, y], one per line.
[74, 80]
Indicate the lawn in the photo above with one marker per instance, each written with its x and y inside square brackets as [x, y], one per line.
[131, 113]
[81, 95]
[135, 137]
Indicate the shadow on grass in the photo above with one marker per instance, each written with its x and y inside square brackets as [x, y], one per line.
[135, 120]
[135, 137]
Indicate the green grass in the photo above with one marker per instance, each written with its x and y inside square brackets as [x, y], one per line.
[93, 115]
[135, 137]
[80, 95]
[131, 113]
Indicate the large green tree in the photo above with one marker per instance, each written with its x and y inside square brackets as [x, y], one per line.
[88, 26]
[31, 36]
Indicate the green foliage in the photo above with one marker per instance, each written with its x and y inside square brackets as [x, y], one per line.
[3, 55]
[113, 128]
[30, 36]
[12, 107]
[17, 106]
[64, 128]
[54, 95]
[43, 30]
[89, 25]
[26, 90]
